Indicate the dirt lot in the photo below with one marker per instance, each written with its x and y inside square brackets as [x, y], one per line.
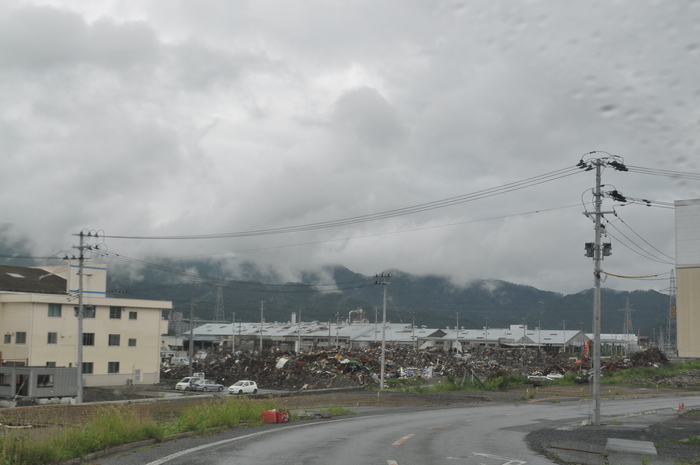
[148, 402]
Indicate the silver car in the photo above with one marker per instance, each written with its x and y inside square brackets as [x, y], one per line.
[206, 385]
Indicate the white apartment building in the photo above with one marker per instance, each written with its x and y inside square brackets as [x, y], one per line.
[39, 325]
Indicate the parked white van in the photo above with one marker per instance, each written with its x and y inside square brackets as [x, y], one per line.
[185, 384]
[179, 361]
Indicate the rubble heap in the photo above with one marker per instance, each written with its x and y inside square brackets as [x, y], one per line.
[361, 367]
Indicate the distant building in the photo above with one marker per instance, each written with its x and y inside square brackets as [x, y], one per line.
[317, 336]
[39, 325]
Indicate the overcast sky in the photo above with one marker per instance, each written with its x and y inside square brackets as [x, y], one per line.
[165, 117]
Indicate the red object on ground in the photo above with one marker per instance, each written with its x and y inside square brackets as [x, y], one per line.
[275, 416]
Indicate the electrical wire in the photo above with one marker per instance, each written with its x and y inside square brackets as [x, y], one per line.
[642, 253]
[399, 231]
[529, 182]
[673, 260]
[666, 173]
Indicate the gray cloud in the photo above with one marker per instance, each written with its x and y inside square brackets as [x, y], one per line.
[173, 117]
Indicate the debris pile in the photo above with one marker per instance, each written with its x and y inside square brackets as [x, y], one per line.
[345, 368]
[647, 358]
[361, 367]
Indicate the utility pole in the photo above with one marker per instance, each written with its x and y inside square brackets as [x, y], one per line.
[564, 337]
[190, 351]
[299, 332]
[376, 312]
[486, 332]
[384, 281]
[262, 308]
[597, 251]
[337, 329]
[413, 329]
[672, 326]
[233, 333]
[82, 235]
[81, 265]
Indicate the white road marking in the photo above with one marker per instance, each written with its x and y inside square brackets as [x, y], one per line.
[507, 461]
[439, 426]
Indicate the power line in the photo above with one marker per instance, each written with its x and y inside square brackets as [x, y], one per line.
[666, 173]
[510, 187]
[387, 233]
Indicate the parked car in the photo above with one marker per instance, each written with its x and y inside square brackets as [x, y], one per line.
[179, 361]
[243, 387]
[185, 384]
[206, 385]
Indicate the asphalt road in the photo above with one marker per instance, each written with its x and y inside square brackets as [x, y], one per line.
[485, 434]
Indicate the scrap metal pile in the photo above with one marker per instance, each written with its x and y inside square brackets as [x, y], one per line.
[361, 367]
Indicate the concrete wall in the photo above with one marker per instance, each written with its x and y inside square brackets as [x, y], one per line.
[688, 277]
[688, 311]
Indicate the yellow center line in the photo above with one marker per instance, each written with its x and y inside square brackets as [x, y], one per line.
[477, 419]
[401, 441]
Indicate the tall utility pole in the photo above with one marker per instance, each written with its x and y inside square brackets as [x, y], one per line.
[383, 279]
[597, 253]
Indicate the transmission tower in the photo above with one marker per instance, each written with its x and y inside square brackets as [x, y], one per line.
[671, 337]
[219, 316]
[627, 326]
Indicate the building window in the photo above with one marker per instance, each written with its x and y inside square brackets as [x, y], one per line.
[115, 313]
[55, 310]
[20, 337]
[8, 338]
[132, 342]
[88, 311]
[114, 339]
[88, 339]
[132, 315]
[5, 379]
[87, 368]
[112, 367]
[44, 381]
[51, 364]
[52, 338]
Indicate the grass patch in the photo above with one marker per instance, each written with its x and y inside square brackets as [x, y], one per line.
[497, 381]
[633, 374]
[111, 426]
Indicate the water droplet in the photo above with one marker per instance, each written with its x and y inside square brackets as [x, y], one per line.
[608, 111]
